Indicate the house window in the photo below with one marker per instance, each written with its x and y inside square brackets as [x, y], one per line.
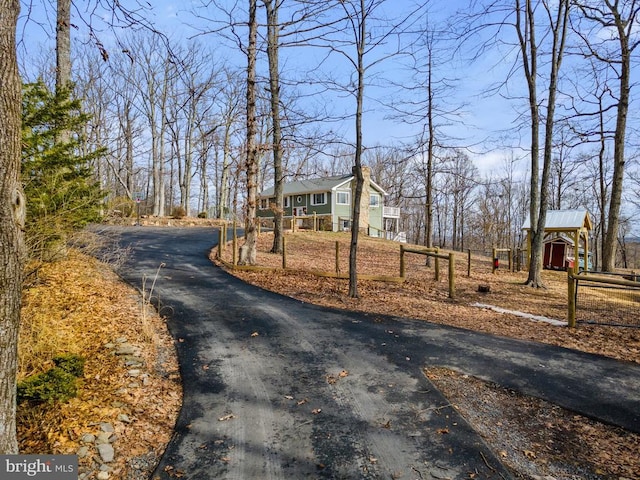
[318, 199]
[374, 200]
[287, 202]
[264, 203]
[342, 198]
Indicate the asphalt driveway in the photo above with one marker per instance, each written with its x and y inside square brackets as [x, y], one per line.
[278, 389]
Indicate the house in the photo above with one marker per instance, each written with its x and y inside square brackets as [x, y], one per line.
[328, 200]
[563, 230]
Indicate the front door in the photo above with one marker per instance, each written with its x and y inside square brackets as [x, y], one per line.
[299, 212]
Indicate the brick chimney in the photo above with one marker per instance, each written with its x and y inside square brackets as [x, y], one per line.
[364, 200]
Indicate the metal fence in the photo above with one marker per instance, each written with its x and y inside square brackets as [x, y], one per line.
[608, 299]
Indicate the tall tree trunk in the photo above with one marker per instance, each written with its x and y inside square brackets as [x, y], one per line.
[273, 39]
[223, 188]
[12, 211]
[357, 168]
[615, 202]
[540, 192]
[63, 44]
[248, 249]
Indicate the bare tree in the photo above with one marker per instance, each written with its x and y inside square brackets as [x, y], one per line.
[12, 212]
[366, 35]
[428, 104]
[615, 50]
[230, 111]
[273, 40]
[526, 29]
[248, 249]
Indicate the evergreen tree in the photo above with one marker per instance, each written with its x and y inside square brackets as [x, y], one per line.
[61, 194]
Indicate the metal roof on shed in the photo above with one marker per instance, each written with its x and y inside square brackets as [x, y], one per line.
[564, 220]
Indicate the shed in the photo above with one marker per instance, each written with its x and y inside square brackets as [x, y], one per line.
[566, 233]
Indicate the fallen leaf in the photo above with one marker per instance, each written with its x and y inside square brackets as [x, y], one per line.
[316, 411]
[255, 334]
[226, 417]
[443, 430]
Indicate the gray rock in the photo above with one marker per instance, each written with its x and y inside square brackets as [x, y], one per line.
[125, 349]
[133, 361]
[106, 427]
[103, 476]
[106, 452]
[88, 438]
[124, 418]
[82, 451]
[103, 438]
[121, 339]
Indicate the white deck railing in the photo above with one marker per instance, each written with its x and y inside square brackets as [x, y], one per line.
[391, 212]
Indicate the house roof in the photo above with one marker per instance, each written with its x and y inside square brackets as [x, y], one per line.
[316, 185]
[564, 220]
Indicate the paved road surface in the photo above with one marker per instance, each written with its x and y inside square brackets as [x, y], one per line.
[258, 368]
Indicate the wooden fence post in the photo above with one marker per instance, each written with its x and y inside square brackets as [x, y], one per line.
[571, 300]
[402, 266]
[235, 244]
[221, 239]
[284, 252]
[437, 267]
[510, 260]
[337, 257]
[293, 224]
[315, 222]
[468, 262]
[452, 275]
[494, 257]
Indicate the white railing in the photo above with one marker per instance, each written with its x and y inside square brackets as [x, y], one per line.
[397, 237]
[391, 212]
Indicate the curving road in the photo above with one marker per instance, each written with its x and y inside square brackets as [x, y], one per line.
[265, 399]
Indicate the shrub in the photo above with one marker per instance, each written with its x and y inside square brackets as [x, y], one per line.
[202, 215]
[70, 363]
[179, 212]
[48, 387]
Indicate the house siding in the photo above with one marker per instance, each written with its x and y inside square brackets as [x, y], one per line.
[330, 213]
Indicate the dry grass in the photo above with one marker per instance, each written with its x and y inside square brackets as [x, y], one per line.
[78, 305]
[421, 297]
